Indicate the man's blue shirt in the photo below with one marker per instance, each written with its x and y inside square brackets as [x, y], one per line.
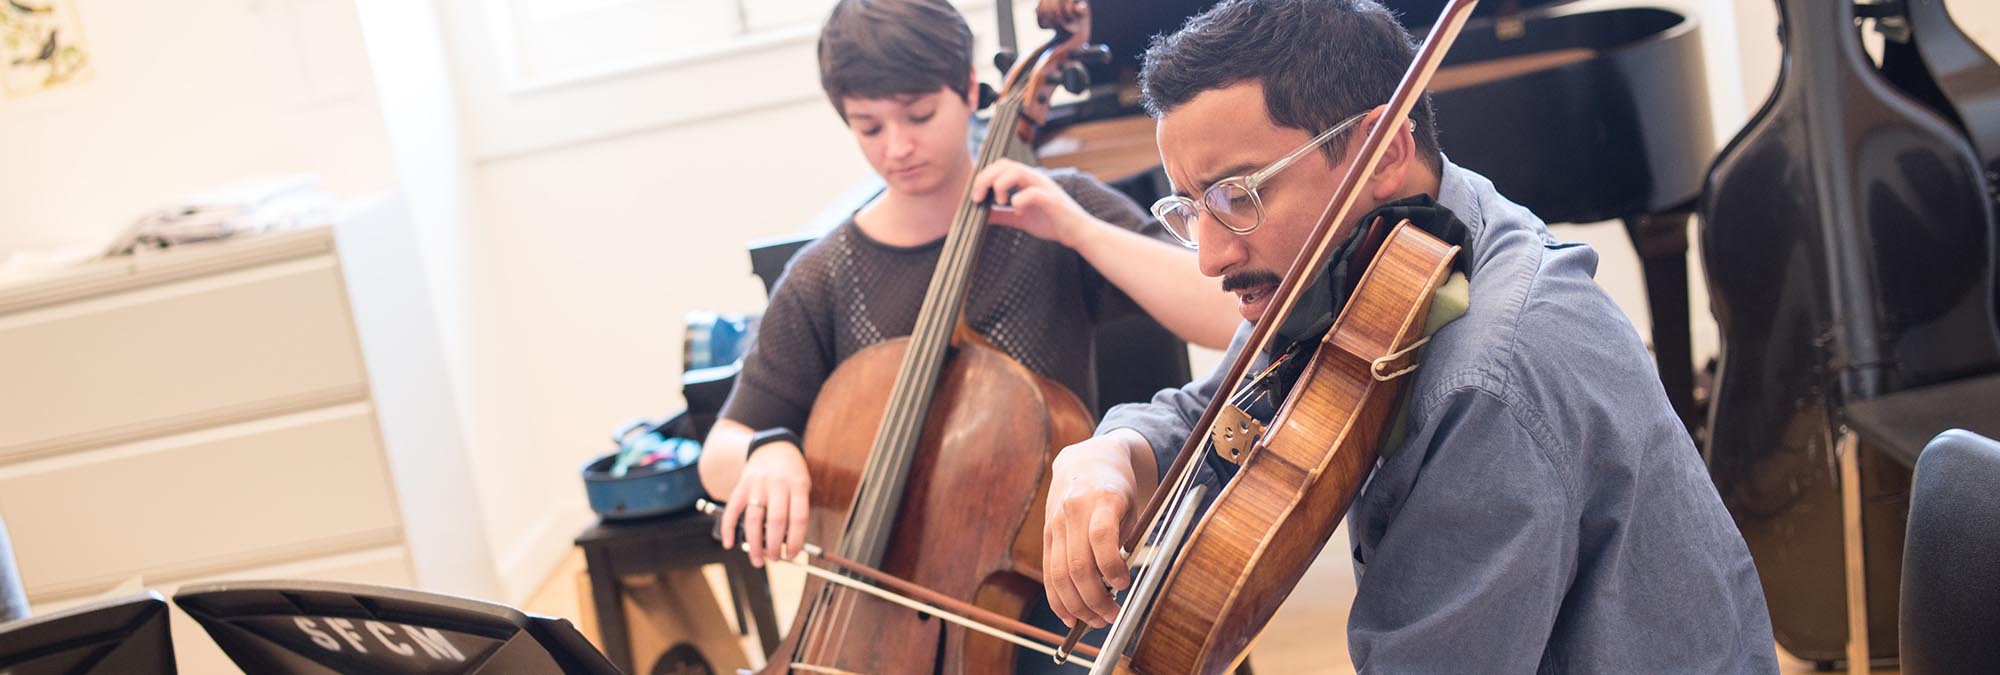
[1545, 510]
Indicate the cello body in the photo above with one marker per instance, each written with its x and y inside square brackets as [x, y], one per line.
[969, 525]
[1848, 236]
[929, 454]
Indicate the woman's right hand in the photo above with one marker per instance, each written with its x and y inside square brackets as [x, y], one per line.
[772, 499]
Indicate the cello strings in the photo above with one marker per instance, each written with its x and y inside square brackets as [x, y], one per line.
[936, 321]
[911, 392]
[929, 338]
[935, 327]
[934, 331]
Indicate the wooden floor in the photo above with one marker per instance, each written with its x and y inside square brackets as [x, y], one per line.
[1307, 636]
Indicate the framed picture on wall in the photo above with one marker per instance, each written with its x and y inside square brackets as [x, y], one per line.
[41, 46]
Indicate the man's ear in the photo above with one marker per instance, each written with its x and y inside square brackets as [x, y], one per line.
[1387, 182]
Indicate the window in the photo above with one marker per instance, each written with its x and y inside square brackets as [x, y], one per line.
[550, 42]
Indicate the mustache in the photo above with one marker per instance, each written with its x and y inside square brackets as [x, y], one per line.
[1249, 279]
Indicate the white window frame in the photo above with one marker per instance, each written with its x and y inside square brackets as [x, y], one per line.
[506, 24]
[508, 20]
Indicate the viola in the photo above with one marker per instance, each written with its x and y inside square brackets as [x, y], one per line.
[1208, 581]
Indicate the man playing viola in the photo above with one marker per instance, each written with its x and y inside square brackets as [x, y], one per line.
[1544, 511]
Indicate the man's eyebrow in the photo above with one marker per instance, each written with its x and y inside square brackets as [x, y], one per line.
[1237, 169]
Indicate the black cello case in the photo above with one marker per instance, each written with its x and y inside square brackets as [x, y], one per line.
[1849, 239]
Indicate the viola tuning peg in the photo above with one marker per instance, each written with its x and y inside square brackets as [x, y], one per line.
[1075, 78]
[1099, 54]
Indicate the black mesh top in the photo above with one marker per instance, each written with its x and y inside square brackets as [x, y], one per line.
[1036, 300]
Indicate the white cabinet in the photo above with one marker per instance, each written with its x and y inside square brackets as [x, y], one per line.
[187, 354]
[210, 412]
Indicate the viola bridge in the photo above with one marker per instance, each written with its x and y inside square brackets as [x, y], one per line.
[1234, 432]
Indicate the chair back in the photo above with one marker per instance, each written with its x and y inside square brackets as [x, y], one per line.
[1951, 558]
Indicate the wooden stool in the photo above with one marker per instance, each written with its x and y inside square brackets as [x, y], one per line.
[672, 544]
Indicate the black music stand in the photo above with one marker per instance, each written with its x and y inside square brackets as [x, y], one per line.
[323, 628]
[126, 636]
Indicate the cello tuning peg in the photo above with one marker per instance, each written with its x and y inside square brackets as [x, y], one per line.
[1004, 59]
[1075, 78]
[1098, 53]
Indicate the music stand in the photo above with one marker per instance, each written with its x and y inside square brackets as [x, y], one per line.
[323, 628]
[126, 636]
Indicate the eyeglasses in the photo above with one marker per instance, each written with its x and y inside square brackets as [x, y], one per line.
[1234, 200]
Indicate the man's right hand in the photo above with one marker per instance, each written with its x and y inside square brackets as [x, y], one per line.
[1091, 492]
[772, 497]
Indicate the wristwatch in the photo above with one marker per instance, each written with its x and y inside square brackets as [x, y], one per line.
[772, 435]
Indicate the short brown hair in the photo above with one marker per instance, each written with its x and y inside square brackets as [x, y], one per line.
[1319, 61]
[884, 48]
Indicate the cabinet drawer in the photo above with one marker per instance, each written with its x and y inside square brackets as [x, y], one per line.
[176, 357]
[258, 493]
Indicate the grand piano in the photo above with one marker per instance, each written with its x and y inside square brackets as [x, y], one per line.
[1582, 116]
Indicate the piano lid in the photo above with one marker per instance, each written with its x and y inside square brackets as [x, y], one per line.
[1418, 15]
[1128, 26]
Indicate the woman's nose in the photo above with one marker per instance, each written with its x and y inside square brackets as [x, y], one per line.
[901, 141]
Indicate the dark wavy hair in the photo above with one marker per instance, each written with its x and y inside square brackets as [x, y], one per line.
[884, 48]
[1320, 61]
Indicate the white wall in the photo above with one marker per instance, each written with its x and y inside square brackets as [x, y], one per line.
[185, 96]
[588, 258]
[1757, 33]
[189, 95]
[608, 209]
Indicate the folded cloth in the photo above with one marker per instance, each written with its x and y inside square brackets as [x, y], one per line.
[245, 207]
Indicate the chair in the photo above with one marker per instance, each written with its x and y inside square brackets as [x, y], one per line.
[1951, 558]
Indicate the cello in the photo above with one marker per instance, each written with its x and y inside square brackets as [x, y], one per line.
[1209, 580]
[945, 493]
[1849, 240]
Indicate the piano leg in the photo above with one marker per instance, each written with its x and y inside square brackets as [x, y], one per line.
[1662, 242]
